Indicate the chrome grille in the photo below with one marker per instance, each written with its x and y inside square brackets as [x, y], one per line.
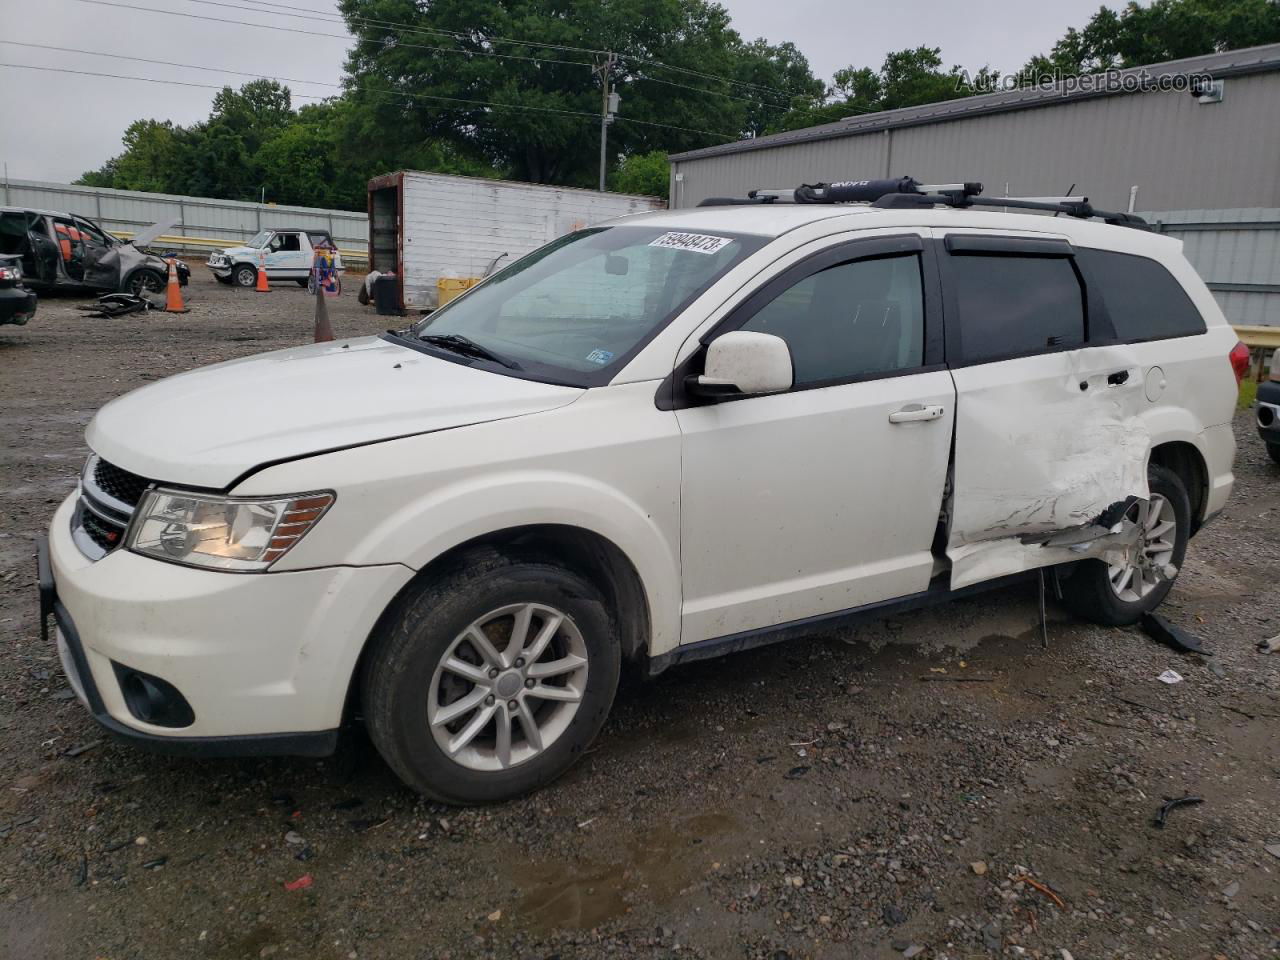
[108, 496]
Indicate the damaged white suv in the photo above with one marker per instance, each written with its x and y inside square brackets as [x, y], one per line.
[661, 439]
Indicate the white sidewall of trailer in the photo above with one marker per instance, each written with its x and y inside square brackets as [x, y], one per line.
[456, 226]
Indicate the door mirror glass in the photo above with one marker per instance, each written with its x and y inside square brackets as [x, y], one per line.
[747, 363]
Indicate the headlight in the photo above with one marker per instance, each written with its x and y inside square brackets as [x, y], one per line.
[217, 260]
[227, 533]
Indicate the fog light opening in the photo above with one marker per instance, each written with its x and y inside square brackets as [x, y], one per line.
[153, 700]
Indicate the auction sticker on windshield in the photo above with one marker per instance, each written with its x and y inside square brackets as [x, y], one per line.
[696, 242]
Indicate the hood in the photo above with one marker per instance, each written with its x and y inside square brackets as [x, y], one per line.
[207, 427]
[147, 234]
[240, 251]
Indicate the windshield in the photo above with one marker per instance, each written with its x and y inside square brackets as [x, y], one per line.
[575, 310]
[259, 239]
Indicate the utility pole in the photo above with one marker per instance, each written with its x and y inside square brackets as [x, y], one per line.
[609, 101]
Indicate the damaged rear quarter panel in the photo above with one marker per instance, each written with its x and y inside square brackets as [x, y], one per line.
[1036, 453]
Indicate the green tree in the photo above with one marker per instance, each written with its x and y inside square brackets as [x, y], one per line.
[531, 110]
[906, 78]
[647, 174]
[1162, 30]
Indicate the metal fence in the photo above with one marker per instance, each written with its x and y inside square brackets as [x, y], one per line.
[1237, 252]
[202, 222]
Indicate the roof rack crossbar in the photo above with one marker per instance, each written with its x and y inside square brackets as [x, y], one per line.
[907, 192]
[1077, 207]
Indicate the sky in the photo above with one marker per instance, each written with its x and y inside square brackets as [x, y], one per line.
[90, 113]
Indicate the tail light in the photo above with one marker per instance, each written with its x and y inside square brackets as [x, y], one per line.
[1239, 357]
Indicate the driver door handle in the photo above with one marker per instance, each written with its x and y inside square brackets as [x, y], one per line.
[917, 411]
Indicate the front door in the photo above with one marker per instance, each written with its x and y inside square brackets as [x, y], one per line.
[101, 258]
[1049, 432]
[285, 256]
[825, 497]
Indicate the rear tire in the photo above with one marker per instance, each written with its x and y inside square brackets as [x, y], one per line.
[1274, 450]
[301, 282]
[437, 702]
[1101, 592]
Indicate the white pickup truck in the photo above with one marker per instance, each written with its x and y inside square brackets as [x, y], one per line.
[287, 253]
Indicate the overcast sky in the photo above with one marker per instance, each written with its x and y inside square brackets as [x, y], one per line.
[55, 126]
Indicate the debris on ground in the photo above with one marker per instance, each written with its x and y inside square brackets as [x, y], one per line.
[1037, 885]
[301, 883]
[1162, 631]
[1270, 646]
[1170, 677]
[979, 867]
[115, 305]
[1173, 804]
[1273, 849]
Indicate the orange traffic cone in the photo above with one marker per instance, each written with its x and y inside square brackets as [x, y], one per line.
[262, 277]
[173, 296]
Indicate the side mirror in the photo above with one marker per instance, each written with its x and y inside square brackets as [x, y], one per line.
[741, 362]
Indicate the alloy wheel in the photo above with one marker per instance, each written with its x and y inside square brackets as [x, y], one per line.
[1143, 567]
[508, 686]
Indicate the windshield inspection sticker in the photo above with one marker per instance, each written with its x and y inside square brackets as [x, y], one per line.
[695, 242]
[599, 356]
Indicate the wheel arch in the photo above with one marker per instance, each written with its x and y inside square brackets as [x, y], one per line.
[587, 553]
[1186, 460]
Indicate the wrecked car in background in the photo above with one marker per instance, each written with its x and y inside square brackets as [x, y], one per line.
[657, 440]
[286, 252]
[60, 250]
[17, 303]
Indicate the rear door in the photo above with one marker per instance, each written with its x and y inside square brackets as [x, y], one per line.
[1048, 402]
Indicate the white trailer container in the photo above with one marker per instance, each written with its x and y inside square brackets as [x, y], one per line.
[425, 226]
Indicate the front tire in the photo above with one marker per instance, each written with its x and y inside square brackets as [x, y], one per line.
[1118, 594]
[490, 681]
[146, 281]
[245, 275]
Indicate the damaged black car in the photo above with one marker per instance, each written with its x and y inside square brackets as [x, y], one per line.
[62, 251]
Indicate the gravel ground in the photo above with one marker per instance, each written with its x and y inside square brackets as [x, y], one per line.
[933, 785]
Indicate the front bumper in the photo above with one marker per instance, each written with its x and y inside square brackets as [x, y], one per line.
[17, 305]
[1268, 412]
[264, 660]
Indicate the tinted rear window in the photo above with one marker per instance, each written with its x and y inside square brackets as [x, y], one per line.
[1143, 298]
[1011, 306]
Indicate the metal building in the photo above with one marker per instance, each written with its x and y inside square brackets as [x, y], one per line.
[1218, 148]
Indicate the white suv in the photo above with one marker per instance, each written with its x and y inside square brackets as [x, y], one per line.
[662, 439]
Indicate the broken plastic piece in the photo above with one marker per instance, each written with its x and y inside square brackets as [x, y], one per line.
[1160, 629]
[1170, 805]
[301, 883]
[1270, 646]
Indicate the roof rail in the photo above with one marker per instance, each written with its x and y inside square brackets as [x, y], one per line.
[907, 193]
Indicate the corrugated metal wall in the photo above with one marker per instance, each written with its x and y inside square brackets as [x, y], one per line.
[230, 220]
[1237, 252]
[1179, 152]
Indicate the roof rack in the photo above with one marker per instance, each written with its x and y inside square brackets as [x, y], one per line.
[909, 193]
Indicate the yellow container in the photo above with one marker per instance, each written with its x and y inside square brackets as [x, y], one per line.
[449, 287]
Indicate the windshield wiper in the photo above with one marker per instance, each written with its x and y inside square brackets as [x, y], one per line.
[457, 343]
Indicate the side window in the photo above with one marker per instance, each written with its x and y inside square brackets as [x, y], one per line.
[1143, 298]
[1011, 306]
[90, 232]
[851, 320]
[289, 243]
[13, 233]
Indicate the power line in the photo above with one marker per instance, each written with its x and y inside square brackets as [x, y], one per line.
[392, 26]
[389, 93]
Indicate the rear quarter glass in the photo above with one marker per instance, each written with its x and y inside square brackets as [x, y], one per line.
[1143, 298]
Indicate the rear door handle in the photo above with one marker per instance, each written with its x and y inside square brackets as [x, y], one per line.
[917, 411]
